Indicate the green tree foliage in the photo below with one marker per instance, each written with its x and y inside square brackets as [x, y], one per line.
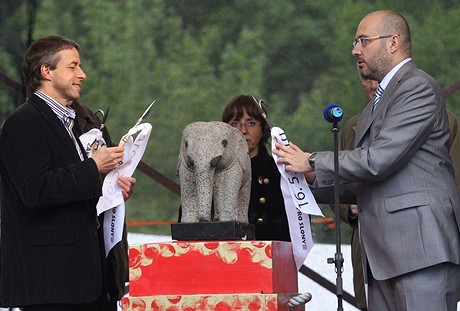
[194, 56]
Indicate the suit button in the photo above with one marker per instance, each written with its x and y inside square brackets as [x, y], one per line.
[260, 220]
[262, 200]
[95, 233]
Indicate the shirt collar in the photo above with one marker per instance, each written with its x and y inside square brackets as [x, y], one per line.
[63, 112]
[392, 72]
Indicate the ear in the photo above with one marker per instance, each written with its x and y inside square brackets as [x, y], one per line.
[395, 43]
[45, 72]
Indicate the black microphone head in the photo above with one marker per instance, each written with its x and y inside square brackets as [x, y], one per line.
[333, 113]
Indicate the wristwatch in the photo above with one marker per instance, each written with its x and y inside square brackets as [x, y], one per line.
[311, 159]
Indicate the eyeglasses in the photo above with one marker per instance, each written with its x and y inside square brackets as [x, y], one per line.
[247, 124]
[363, 40]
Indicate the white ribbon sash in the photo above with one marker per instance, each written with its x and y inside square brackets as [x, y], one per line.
[88, 139]
[299, 203]
[111, 203]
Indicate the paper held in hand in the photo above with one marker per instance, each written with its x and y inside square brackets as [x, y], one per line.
[111, 203]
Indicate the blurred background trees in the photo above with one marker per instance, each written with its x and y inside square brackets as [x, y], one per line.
[194, 56]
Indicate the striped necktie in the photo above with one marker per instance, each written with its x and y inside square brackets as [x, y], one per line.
[378, 94]
[68, 123]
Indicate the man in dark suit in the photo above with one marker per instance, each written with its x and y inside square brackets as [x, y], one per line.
[407, 197]
[116, 264]
[51, 255]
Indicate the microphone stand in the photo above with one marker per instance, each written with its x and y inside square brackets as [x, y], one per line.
[338, 259]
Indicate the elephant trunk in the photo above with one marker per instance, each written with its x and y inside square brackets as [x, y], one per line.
[204, 191]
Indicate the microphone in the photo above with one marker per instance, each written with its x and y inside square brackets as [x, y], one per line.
[333, 113]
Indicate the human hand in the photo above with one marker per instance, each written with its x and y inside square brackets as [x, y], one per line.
[354, 209]
[108, 158]
[126, 184]
[294, 159]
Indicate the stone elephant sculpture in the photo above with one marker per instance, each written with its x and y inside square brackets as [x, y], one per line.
[214, 170]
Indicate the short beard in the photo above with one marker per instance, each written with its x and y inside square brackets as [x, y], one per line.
[379, 67]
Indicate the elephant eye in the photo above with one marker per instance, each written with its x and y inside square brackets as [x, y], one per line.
[186, 144]
[224, 143]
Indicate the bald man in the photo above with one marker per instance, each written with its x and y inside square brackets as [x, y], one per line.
[408, 200]
[349, 212]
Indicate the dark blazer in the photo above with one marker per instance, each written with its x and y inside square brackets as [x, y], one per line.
[116, 267]
[50, 244]
[266, 206]
[409, 206]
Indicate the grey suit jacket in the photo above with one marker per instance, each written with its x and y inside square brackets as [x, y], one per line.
[406, 191]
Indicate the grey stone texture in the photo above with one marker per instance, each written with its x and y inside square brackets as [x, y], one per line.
[214, 170]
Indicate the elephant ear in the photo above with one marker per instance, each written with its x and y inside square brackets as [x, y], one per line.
[181, 159]
[189, 162]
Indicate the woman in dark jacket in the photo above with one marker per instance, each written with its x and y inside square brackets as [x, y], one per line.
[266, 207]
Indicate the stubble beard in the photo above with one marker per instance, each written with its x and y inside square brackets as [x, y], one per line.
[378, 67]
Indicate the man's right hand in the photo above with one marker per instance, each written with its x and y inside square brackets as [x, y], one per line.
[108, 159]
[354, 209]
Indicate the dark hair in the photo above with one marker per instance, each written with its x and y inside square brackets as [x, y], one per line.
[236, 107]
[43, 52]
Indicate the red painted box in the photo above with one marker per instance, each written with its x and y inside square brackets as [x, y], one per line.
[212, 267]
[230, 302]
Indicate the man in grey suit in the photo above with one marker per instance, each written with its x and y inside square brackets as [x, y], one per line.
[409, 206]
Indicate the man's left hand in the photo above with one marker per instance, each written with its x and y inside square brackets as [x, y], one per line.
[127, 186]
